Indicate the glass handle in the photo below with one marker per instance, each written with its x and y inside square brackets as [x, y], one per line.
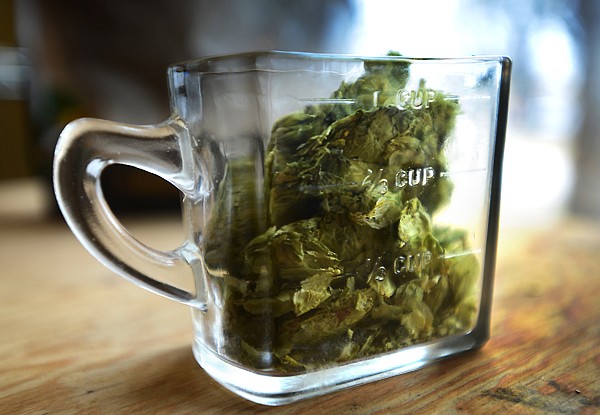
[85, 148]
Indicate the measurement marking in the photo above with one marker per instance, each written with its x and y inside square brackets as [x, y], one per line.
[466, 97]
[328, 100]
[463, 253]
[456, 172]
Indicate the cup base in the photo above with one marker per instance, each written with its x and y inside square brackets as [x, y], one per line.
[281, 389]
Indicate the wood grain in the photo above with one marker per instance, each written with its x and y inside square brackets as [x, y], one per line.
[76, 338]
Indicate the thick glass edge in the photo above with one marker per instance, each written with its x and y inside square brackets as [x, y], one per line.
[493, 224]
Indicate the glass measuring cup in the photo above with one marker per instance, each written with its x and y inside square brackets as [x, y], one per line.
[340, 212]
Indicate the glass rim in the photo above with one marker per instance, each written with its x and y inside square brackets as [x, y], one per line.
[250, 61]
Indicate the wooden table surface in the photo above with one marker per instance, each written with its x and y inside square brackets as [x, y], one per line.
[75, 338]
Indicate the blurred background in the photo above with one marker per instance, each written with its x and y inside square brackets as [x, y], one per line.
[63, 59]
